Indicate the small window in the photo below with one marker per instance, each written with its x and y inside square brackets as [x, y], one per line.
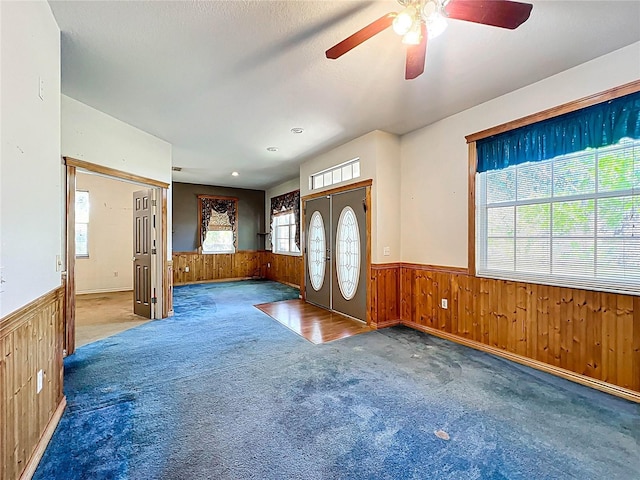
[338, 174]
[284, 233]
[82, 223]
[219, 238]
[218, 223]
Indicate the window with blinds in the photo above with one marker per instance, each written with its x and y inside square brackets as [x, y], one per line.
[219, 237]
[573, 220]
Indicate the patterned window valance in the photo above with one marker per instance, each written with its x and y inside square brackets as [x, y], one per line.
[218, 213]
[282, 203]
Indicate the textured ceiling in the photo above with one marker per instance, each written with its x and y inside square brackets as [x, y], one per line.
[224, 80]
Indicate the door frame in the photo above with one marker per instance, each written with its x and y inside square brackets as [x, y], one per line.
[163, 282]
[366, 184]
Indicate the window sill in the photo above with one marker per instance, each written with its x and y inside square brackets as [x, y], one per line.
[219, 253]
[600, 285]
[288, 254]
[82, 256]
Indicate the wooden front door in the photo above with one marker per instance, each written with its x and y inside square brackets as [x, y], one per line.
[142, 219]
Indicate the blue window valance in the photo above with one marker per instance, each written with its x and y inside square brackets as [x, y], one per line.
[591, 127]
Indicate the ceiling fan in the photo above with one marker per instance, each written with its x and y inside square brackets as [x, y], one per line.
[422, 19]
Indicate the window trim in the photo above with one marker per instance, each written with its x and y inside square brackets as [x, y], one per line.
[565, 108]
[234, 228]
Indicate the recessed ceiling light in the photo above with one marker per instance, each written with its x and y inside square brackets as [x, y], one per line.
[297, 130]
[272, 149]
[235, 174]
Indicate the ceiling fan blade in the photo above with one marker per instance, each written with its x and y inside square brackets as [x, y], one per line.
[498, 13]
[361, 35]
[416, 57]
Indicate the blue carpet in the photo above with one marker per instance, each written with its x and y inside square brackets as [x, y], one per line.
[222, 391]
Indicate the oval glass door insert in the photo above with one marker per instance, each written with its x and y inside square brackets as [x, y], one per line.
[348, 253]
[317, 250]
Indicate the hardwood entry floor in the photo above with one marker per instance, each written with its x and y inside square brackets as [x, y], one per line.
[100, 315]
[313, 323]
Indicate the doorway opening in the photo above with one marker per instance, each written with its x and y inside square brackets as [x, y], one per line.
[117, 272]
[104, 238]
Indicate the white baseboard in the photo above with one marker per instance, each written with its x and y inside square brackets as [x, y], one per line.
[104, 290]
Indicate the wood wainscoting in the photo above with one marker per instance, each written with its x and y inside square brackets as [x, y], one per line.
[285, 269]
[384, 291]
[213, 267]
[589, 337]
[167, 298]
[236, 266]
[31, 339]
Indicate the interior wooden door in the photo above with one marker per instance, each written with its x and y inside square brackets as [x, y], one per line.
[349, 265]
[318, 247]
[142, 253]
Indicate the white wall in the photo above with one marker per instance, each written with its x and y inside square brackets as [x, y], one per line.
[30, 178]
[110, 235]
[379, 154]
[387, 199]
[91, 135]
[434, 174]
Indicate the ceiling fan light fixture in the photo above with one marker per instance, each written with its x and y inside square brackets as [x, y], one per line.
[429, 8]
[413, 36]
[404, 21]
[436, 25]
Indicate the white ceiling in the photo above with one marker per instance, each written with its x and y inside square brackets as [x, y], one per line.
[224, 80]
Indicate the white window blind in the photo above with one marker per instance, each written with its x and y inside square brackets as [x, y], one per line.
[571, 221]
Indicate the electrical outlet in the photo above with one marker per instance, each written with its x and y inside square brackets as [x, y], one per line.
[186, 269]
[39, 381]
[115, 274]
[268, 265]
[444, 303]
[386, 251]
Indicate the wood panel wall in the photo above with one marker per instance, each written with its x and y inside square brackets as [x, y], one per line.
[167, 308]
[283, 268]
[589, 337]
[241, 265]
[208, 267]
[31, 339]
[384, 291]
